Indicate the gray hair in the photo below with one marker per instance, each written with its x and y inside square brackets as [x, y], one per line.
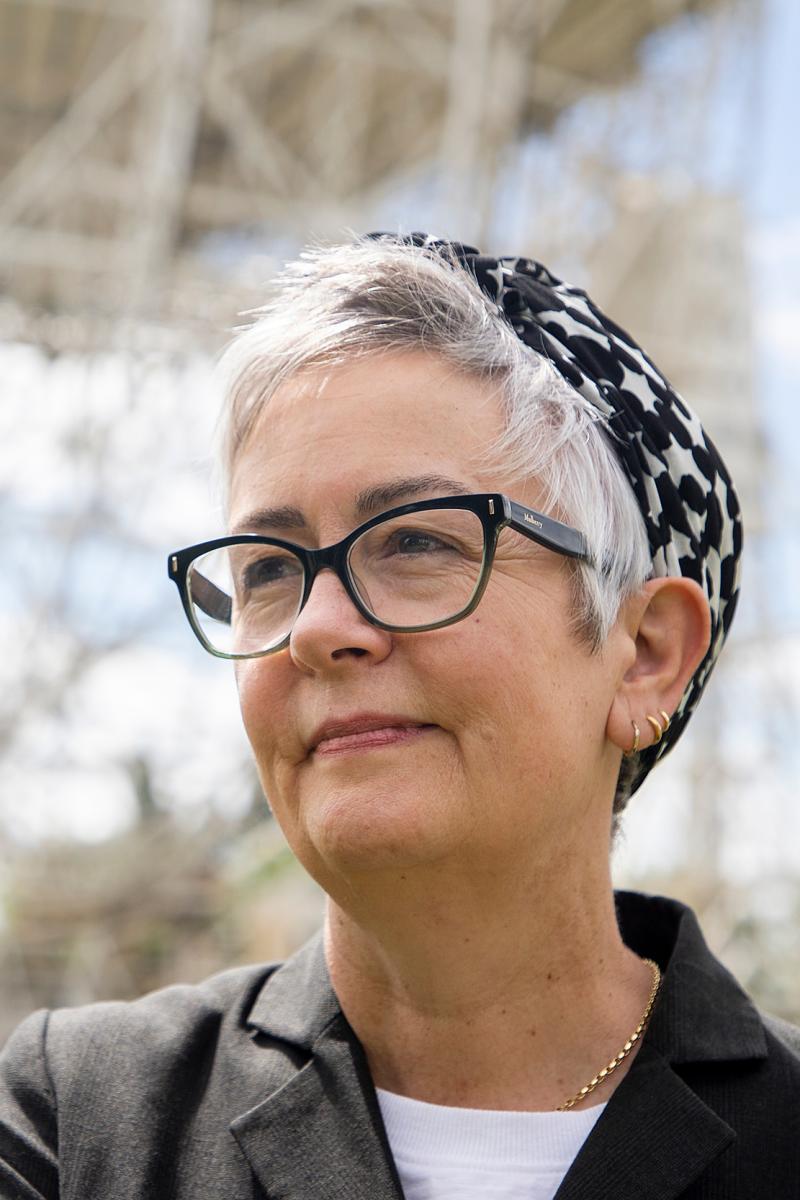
[342, 302]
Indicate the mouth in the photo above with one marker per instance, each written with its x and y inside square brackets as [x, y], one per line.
[365, 733]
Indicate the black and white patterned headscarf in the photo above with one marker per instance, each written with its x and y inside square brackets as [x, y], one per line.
[681, 484]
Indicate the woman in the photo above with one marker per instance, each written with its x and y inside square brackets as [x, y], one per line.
[481, 560]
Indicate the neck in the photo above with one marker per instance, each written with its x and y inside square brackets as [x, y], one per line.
[487, 990]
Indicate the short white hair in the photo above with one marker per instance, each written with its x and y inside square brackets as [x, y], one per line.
[342, 302]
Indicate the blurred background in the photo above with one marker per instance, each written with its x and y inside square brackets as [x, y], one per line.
[159, 159]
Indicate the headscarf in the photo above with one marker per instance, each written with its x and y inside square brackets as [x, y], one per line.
[682, 486]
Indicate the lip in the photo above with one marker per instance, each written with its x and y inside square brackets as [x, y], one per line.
[361, 723]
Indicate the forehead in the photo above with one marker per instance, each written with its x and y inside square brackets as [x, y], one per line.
[328, 434]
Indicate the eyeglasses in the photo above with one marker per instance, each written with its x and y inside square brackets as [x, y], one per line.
[412, 569]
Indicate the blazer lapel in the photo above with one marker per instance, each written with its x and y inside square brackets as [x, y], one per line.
[319, 1133]
[653, 1140]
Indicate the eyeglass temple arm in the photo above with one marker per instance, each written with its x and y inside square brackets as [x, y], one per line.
[548, 532]
[210, 598]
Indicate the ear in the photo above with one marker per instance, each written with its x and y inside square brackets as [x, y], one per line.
[667, 626]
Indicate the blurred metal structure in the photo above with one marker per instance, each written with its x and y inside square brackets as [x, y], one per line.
[133, 133]
[695, 323]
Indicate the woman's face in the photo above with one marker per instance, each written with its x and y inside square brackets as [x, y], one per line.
[512, 705]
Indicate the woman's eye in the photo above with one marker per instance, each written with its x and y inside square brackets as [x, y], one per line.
[416, 542]
[269, 570]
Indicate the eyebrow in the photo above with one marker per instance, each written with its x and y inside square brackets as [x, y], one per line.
[367, 502]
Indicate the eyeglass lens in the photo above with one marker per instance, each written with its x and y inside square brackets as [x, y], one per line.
[410, 571]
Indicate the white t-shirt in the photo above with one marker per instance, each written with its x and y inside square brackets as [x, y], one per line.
[476, 1154]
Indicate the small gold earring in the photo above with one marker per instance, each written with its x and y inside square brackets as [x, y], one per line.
[665, 718]
[657, 729]
[634, 748]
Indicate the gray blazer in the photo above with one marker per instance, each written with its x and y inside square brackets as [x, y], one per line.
[253, 1085]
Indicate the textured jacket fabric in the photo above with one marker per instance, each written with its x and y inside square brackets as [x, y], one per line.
[253, 1085]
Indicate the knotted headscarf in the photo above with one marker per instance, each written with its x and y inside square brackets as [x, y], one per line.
[681, 484]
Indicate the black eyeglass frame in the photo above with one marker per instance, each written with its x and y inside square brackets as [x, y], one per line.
[494, 510]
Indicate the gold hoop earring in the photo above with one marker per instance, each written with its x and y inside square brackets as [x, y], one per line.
[665, 718]
[635, 747]
[657, 729]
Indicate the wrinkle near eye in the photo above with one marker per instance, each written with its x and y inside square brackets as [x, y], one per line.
[513, 547]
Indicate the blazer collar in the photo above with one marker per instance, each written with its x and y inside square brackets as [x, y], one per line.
[320, 1133]
[297, 1002]
[702, 1014]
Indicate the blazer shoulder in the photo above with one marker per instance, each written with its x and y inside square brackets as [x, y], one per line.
[88, 1091]
[786, 1033]
[161, 1025]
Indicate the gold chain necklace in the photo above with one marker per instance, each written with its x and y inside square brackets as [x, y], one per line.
[603, 1075]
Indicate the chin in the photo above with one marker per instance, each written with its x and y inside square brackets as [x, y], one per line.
[352, 830]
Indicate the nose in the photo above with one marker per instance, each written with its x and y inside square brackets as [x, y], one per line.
[330, 632]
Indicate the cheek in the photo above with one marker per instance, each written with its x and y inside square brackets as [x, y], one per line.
[262, 698]
[520, 690]
[249, 685]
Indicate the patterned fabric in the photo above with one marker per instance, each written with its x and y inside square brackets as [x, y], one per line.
[680, 482]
